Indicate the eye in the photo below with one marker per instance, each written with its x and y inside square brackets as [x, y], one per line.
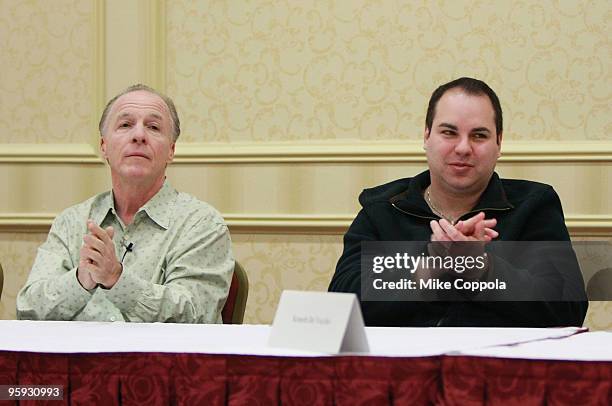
[448, 132]
[124, 124]
[153, 126]
[481, 136]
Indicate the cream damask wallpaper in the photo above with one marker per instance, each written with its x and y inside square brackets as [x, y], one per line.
[17, 252]
[278, 262]
[364, 69]
[46, 84]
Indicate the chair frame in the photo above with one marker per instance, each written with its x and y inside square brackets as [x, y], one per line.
[241, 279]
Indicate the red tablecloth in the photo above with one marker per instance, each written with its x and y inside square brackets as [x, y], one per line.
[196, 379]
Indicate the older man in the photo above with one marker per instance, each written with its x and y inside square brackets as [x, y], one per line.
[461, 199]
[143, 251]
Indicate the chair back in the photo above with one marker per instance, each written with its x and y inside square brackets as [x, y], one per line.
[233, 311]
[600, 285]
[1, 280]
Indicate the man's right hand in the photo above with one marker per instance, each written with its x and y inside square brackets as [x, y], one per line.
[475, 228]
[448, 239]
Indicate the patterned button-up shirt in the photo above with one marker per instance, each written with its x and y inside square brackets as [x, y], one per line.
[178, 268]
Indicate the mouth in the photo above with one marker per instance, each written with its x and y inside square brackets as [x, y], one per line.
[460, 165]
[137, 155]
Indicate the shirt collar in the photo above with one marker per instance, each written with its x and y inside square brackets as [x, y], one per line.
[105, 205]
[158, 208]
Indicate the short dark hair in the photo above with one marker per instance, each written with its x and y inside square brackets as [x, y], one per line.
[176, 124]
[470, 86]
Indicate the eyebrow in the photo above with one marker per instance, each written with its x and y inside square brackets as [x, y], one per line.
[447, 125]
[474, 130]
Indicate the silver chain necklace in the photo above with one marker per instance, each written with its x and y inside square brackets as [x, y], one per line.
[434, 208]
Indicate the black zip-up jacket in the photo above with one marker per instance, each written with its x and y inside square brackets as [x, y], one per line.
[525, 211]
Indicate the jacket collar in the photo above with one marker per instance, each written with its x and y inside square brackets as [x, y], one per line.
[412, 201]
[494, 196]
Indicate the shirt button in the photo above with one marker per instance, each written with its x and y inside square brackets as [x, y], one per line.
[112, 318]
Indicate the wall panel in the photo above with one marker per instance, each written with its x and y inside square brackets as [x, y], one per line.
[47, 87]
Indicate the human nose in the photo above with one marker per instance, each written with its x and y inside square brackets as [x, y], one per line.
[139, 135]
[463, 146]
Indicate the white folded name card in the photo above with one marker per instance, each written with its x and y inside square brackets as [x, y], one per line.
[319, 321]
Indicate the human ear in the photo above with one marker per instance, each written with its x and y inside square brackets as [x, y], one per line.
[425, 137]
[103, 148]
[171, 153]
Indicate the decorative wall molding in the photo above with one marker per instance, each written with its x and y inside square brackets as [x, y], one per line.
[49, 153]
[579, 225]
[302, 152]
[399, 151]
[26, 222]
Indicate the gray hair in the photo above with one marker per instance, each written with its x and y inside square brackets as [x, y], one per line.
[176, 124]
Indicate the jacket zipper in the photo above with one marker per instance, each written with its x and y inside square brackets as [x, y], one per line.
[465, 214]
[415, 215]
[486, 208]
